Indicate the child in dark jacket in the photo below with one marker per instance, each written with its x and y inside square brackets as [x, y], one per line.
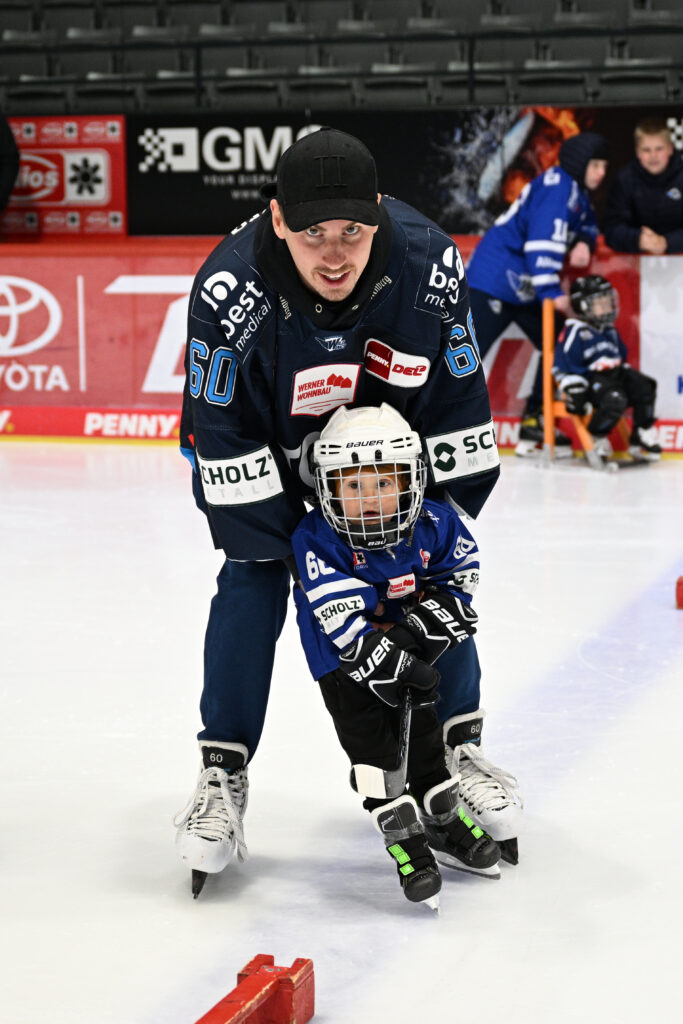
[591, 370]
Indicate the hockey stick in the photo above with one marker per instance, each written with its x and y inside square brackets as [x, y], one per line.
[378, 783]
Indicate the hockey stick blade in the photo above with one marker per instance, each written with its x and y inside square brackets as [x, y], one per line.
[387, 785]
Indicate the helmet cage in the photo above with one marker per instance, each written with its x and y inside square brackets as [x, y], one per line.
[379, 529]
[587, 292]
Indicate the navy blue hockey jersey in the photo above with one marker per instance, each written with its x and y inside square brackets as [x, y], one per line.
[582, 349]
[340, 588]
[262, 380]
[521, 256]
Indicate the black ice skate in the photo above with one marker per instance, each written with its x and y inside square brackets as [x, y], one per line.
[404, 838]
[456, 840]
[531, 438]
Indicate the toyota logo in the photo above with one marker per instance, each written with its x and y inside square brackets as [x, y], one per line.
[19, 297]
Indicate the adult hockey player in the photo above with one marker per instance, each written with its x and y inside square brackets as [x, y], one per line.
[591, 370]
[518, 262]
[332, 296]
[386, 584]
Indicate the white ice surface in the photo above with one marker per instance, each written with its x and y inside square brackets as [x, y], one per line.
[106, 571]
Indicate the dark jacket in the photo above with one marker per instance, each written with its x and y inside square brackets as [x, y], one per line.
[640, 199]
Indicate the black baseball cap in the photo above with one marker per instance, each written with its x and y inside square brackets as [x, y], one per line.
[327, 175]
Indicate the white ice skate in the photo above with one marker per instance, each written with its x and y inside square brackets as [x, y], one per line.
[210, 828]
[488, 793]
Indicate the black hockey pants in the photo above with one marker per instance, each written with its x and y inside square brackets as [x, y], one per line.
[368, 731]
[613, 391]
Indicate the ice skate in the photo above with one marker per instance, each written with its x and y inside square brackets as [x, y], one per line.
[603, 447]
[488, 794]
[405, 840]
[531, 439]
[210, 828]
[643, 445]
[456, 841]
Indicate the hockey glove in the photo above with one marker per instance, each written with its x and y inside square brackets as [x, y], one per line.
[575, 390]
[439, 622]
[374, 661]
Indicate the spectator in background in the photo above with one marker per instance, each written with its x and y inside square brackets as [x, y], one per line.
[518, 262]
[9, 162]
[645, 206]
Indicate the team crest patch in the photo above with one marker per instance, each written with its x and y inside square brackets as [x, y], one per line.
[319, 389]
[334, 344]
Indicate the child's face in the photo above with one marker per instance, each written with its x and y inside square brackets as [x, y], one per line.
[602, 305]
[368, 494]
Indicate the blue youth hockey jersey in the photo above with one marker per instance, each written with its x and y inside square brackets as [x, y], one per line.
[262, 380]
[521, 256]
[340, 589]
[582, 349]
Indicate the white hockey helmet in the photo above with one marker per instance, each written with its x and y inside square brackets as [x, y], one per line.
[354, 445]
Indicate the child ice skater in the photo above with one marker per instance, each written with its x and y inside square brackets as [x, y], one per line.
[590, 369]
[386, 582]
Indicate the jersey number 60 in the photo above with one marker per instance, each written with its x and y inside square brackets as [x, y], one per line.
[218, 380]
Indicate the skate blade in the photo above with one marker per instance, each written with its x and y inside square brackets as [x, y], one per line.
[457, 865]
[433, 903]
[533, 450]
[198, 879]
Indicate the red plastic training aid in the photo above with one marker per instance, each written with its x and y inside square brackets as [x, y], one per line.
[679, 592]
[267, 994]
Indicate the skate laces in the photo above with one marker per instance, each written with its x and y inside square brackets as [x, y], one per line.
[215, 809]
[482, 784]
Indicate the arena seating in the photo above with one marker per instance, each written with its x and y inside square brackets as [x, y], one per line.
[71, 55]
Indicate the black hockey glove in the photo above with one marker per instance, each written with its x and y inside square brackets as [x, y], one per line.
[439, 622]
[575, 390]
[374, 661]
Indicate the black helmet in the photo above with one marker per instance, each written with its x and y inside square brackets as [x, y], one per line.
[583, 294]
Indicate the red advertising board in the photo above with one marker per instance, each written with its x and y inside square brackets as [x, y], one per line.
[72, 177]
[92, 338]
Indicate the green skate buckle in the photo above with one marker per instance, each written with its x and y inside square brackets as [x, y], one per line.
[476, 831]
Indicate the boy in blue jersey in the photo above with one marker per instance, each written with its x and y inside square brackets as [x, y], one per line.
[590, 369]
[386, 582]
[518, 262]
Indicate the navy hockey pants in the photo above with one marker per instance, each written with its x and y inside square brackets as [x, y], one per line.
[491, 316]
[246, 618]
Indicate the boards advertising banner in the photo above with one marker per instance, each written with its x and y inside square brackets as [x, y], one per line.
[92, 338]
[462, 168]
[71, 180]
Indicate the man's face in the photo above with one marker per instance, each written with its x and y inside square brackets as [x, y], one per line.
[331, 256]
[595, 172]
[654, 153]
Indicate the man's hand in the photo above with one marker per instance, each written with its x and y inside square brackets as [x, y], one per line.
[575, 391]
[439, 622]
[376, 662]
[580, 256]
[652, 243]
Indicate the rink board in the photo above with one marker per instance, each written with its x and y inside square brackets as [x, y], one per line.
[92, 338]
